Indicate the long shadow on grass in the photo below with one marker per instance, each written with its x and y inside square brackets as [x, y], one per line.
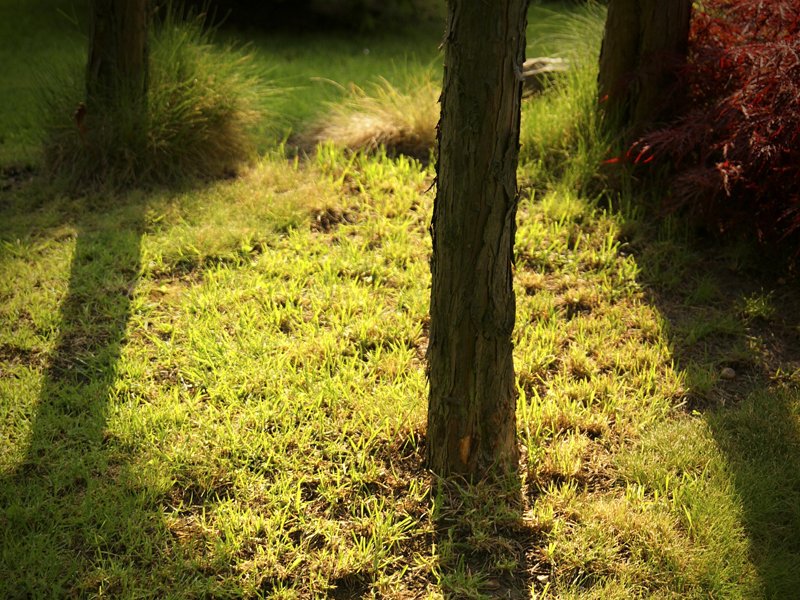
[61, 506]
[760, 440]
[754, 417]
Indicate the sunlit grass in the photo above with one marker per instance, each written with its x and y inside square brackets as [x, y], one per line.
[246, 326]
[222, 393]
[562, 145]
[261, 430]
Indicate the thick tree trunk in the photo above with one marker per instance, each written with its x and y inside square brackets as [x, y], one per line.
[117, 69]
[644, 46]
[472, 404]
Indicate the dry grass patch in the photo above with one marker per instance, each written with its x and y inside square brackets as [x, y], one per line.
[402, 122]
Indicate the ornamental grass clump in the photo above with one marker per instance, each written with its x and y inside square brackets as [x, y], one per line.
[385, 116]
[203, 103]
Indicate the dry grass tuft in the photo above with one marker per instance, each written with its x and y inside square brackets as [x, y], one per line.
[385, 116]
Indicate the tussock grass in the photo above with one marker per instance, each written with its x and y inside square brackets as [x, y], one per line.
[560, 138]
[383, 116]
[203, 104]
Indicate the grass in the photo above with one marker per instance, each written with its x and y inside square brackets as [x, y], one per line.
[562, 142]
[318, 70]
[385, 117]
[221, 392]
[404, 122]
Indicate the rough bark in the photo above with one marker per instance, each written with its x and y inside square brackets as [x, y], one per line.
[644, 46]
[472, 403]
[117, 68]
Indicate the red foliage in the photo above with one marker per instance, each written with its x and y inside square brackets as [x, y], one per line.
[736, 152]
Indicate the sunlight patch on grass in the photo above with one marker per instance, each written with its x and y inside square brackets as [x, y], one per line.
[561, 142]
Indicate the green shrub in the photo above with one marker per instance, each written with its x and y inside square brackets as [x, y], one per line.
[202, 106]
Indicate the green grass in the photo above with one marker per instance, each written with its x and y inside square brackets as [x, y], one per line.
[221, 392]
[562, 143]
[226, 430]
[318, 69]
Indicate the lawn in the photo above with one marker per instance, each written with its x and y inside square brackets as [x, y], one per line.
[219, 391]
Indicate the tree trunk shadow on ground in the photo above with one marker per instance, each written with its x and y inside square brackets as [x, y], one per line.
[62, 507]
[482, 541]
[760, 440]
[752, 414]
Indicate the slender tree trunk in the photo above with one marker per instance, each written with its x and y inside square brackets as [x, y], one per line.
[117, 68]
[472, 404]
[644, 46]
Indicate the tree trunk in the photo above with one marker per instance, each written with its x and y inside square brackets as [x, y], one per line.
[117, 69]
[644, 46]
[472, 403]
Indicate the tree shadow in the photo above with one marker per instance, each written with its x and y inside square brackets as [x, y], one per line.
[60, 506]
[742, 374]
[760, 440]
[482, 541]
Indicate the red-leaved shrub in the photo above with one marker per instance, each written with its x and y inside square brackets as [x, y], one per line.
[735, 154]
